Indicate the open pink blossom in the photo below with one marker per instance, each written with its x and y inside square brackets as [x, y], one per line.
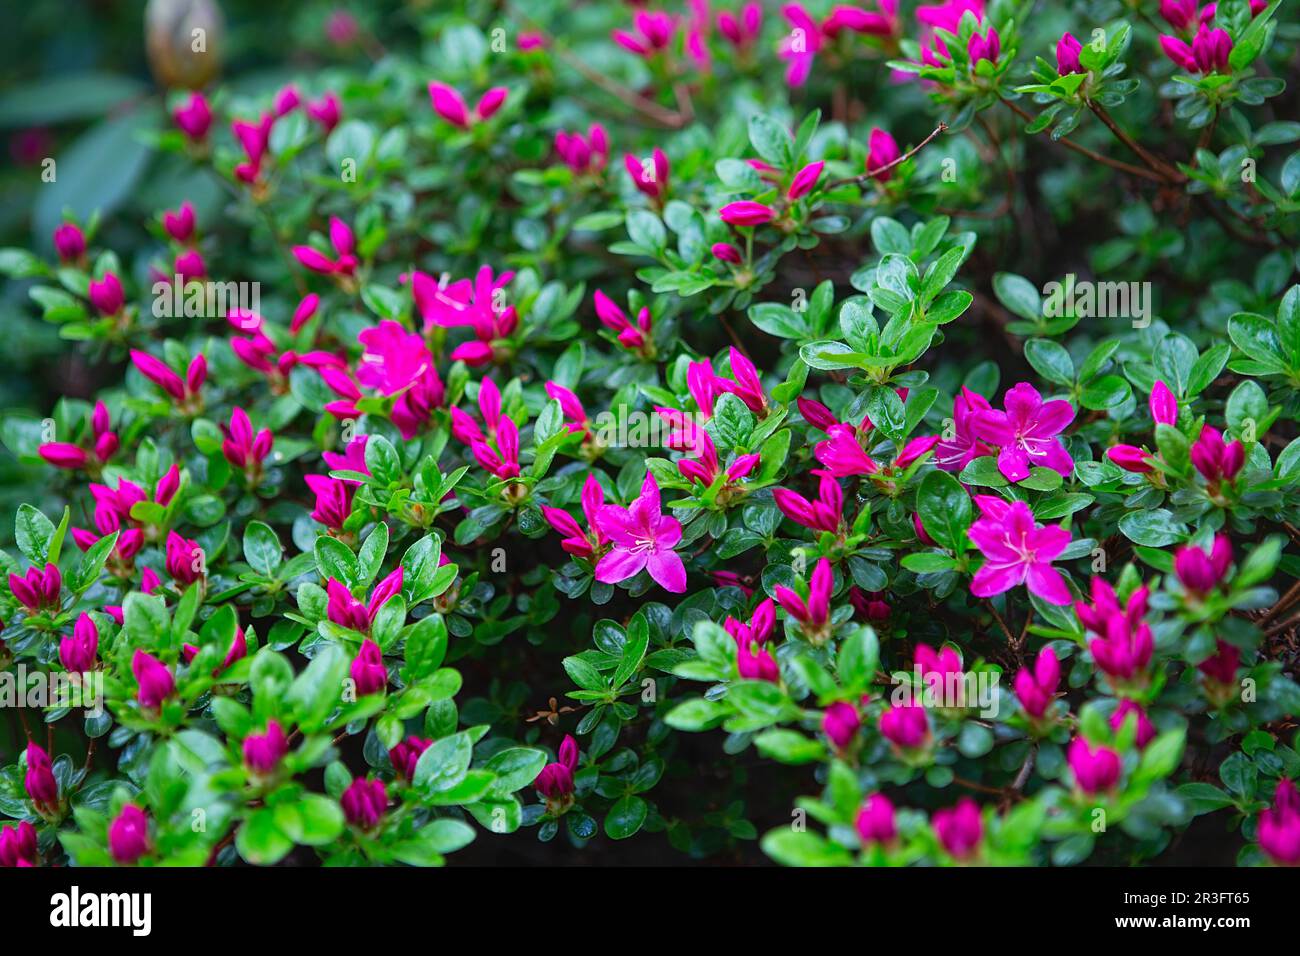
[1026, 432]
[1017, 550]
[642, 537]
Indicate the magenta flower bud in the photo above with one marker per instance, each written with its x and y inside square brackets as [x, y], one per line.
[906, 726]
[128, 834]
[1179, 14]
[840, 723]
[406, 755]
[914, 449]
[368, 670]
[1130, 458]
[194, 119]
[106, 446]
[1221, 668]
[1037, 688]
[184, 559]
[875, 821]
[1279, 826]
[159, 373]
[1163, 405]
[327, 111]
[987, 47]
[555, 780]
[1067, 56]
[726, 252]
[180, 224]
[155, 681]
[364, 803]
[37, 589]
[1095, 770]
[652, 181]
[167, 486]
[490, 102]
[1178, 52]
[448, 104]
[106, 294]
[78, 651]
[757, 665]
[196, 374]
[959, 828]
[869, 604]
[63, 455]
[919, 528]
[1201, 573]
[189, 266]
[1210, 48]
[263, 752]
[882, 150]
[805, 180]
[314, 259]
[18, 845]
[746, 213]
[39, 782]
[286, 100]
[303, 314]
[69, 242]
[1214, 459]
[1146, 731]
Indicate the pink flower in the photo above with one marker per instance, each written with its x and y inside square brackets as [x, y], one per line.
[69, 242]
[1279, 826]
[180, 224]
[882, 150]
[555, 780]
[987, 47]
[364, 803]
[1096, 770]
[38, 589]
[757, 664]
[238, 648]
[801, 45]
[875, 821]
[184, 559]
[1201, 573]
[194, 119]
[503, 462]
[304, 312]
[642, 537]
[368, 671]
[344, 243]
[1221, 667]
[1163, 404]
[578, 541]
[1105, 607]
[959, 828]
[630, 336]
[406, 755]
[726, 252]
[840, 724]
[1037, 688]
[263, 752]
[1215, 460]
[18, 847]
[78, 651]
[868, 22]
[155, 681]
[1146, 731]
[327, 111]
[843, 456]
[746, 213]
[906, 725]
[448, 104]
[128, 834]
[1017, 551]
[745, 384]
[584, 155]
[161, 375]
[241, 447]
[1131, 458]
[824, 514]
[758, 630]
[1208, 52]
[1026, 432]
[346, 611]
[63, 455]
[869, 605]
[490, 102]
[39, 782]
[651, 33]
[742, 29]
[333, 500]
[1179, 14]
[1125, 651]
[652, 178]
[106, 294]
[814, 614]
[1068, 49]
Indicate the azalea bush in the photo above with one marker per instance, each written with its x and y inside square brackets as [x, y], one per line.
[827, 434]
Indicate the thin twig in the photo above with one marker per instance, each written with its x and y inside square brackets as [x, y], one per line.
[873, 173]
[1091, 154]
[1155, 162]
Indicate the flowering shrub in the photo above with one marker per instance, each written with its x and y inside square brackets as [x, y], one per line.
[908, 392]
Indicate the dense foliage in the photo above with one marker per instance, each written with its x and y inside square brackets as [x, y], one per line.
[867, 432]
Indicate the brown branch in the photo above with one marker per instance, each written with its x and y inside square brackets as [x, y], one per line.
[873, 173]
[1155, 162]
[1091, 154]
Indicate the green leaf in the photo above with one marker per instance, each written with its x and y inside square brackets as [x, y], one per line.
[945, 509]
[262, 548]
[626, 817]
[33, 532]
